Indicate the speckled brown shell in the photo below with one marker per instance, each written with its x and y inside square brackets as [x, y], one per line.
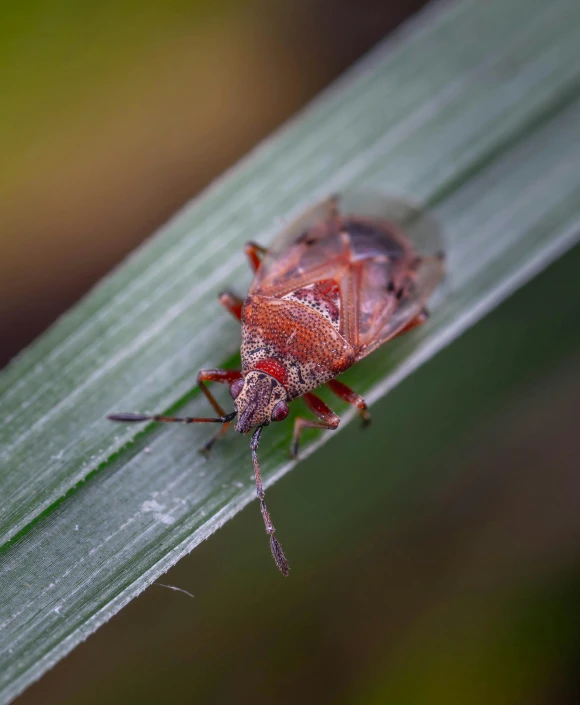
[310, 349]
[329, 291]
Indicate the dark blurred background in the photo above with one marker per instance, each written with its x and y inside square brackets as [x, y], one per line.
[445, 570]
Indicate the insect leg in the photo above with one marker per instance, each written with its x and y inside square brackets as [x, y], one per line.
[232, 303]
[254, 253]
[224, 377]
[346, 393]
[328, 420]
[277, 552]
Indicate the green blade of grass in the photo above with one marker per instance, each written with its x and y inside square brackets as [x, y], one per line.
[484, 127]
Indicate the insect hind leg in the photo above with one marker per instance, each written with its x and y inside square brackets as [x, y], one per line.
[351, 397]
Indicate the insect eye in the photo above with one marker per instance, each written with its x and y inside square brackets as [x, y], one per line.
[236, 387]
[280, 411]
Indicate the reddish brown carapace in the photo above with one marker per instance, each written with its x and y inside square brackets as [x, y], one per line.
[331, 289]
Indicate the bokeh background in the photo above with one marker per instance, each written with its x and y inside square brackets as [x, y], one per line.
[442, 570]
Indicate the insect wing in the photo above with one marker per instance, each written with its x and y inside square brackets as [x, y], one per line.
[399, 313]
[307, 250]
[416, 222]
[387, 264]
[371, 246]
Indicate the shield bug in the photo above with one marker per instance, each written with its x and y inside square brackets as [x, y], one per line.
[332, 288]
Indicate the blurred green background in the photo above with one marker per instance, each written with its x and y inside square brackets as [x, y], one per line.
[435, 556]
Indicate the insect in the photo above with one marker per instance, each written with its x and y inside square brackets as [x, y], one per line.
[331, 289]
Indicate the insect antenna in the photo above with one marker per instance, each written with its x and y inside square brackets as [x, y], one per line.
[137, 418]
[277, 552]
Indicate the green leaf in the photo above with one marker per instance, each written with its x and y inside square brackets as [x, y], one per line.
[483, 126]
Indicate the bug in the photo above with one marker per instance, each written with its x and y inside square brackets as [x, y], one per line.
[330, 290]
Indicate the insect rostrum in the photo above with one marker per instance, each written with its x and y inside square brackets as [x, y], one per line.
[331, 289]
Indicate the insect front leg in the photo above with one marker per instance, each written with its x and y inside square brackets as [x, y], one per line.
[328, 420]
[223, 377]
[346, 393]
[232, 303]
[254, 253]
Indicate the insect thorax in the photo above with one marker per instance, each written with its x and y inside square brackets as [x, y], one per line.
[299, 343]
